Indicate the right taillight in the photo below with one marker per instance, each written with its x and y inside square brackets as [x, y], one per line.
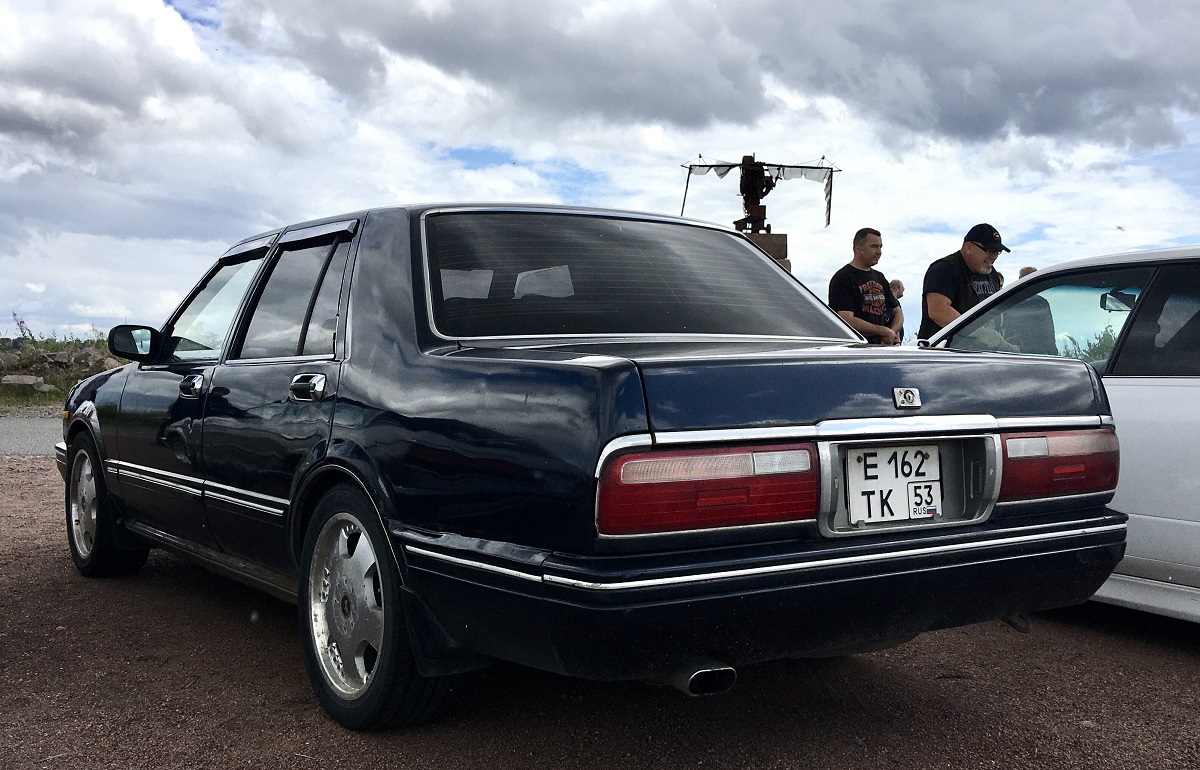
[1059, 463]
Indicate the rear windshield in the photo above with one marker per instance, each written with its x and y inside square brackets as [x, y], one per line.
[518, 273]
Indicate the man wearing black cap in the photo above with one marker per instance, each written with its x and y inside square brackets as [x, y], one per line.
[959, 281]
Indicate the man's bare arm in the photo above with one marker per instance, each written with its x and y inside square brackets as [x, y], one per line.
[940, 309]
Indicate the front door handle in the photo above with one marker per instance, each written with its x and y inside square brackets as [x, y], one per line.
[191, 386]
[307, 387]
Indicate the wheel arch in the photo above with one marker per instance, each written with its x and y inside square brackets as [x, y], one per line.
[435, 651]
[84, 419]
[320, 480]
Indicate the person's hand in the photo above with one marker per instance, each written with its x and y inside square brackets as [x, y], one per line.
[889, 337]
[995, 341]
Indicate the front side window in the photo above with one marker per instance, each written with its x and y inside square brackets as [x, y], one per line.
[199, 331]
[532, 273]
[1080, 315]
[1164, 340]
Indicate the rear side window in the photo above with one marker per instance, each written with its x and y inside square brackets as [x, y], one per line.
[518, 273]
[322, 321]
[281, 315]
[1164, 340]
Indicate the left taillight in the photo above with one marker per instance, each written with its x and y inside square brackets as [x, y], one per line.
[1058, 464]
[694, 489]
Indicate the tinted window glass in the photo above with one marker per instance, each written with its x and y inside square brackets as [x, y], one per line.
[200, 330]
[1165, 337]
[1079, 315]
[282, 308]
[498, 274]
[322, 322]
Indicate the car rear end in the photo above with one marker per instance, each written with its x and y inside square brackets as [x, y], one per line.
[805, 532]
[775, 489]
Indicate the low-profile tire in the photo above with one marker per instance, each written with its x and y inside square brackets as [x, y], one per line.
[90, 519]
[356, 644]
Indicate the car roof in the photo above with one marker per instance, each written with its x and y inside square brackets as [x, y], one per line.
[1121, 259]
[422, 208]
[1126, 258]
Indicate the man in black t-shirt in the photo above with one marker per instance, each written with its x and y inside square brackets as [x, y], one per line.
[959, 281]
[861, 295]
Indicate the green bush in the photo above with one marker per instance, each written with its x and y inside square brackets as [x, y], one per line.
[60, 362]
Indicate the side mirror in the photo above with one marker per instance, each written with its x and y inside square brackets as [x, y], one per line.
[136, 343]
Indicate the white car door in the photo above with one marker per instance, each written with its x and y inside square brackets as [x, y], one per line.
[1154, 389]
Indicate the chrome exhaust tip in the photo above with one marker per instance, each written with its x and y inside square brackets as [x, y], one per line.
[703, 677]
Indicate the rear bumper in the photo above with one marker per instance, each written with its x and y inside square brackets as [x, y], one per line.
[624, 617]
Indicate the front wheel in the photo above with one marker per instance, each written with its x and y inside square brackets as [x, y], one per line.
[90, 518]
[356, 645]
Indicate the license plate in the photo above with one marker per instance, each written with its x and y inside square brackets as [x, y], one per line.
[893, 483]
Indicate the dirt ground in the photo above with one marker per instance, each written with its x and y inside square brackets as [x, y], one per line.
[178, 668]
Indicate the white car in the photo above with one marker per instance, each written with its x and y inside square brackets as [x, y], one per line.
[1136, 318]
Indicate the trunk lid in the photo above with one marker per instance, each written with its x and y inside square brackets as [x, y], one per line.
[702, 385]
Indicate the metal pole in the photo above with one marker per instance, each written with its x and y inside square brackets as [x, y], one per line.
[685, 189]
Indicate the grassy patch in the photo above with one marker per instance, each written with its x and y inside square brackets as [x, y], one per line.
[58, 362]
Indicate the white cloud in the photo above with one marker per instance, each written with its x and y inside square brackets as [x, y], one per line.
[138, 140]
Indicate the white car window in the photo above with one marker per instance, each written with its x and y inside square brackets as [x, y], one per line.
[1080, 315]
[1164, 340]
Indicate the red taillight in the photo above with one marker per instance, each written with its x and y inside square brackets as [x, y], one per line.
[1055, 464]
[674, 491]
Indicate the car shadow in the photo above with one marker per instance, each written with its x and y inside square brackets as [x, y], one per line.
[1128, 625]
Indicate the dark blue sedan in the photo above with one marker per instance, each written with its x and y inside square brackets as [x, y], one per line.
[609, 445]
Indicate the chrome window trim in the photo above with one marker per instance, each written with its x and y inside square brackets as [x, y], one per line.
[280, 359]
[1031, 534]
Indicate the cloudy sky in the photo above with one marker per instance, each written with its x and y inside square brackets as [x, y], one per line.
[139, 138]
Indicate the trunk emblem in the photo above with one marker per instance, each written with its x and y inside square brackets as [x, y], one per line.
[906, 398]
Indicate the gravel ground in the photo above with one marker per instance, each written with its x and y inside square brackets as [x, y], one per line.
[30, 434]
[179, 668]
[30, 412]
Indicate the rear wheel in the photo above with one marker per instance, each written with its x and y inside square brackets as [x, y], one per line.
[90, 520]
[356, 644]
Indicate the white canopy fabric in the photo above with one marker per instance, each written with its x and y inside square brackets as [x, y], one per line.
[777, 171]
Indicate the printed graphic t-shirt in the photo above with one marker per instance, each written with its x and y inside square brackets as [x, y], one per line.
[865, 293]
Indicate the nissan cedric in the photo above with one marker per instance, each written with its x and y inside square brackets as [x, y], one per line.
[604, 444]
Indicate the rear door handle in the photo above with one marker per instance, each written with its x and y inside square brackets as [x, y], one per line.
[307, 387]
[191, 386]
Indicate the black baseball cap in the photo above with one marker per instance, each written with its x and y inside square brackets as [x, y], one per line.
[987, 237]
